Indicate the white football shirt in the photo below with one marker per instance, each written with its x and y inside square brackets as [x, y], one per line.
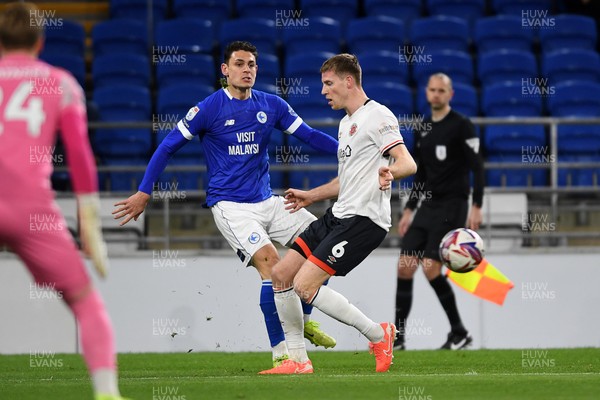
[364, 139]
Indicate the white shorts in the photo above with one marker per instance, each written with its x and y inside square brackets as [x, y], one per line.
[250, 226]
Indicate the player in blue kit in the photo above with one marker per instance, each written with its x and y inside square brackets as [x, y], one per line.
[234, 125]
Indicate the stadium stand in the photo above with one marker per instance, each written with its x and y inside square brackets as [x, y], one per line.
[502, 32]
[456, 64]
[323, 34]
[506, 66]
[569, 32]
[120, 36]
[468, 9]
[571, 65]
[192, 68]
[185, 36]
[441, 33]
[377, 33]
[406, 10]
[116, 69]
[272, 9]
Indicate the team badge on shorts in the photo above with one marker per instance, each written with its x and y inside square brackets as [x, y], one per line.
[261, 117]
[440, 152]
[254, 238]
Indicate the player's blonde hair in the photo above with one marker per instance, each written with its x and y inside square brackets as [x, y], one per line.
[344, 64]
[20, 26]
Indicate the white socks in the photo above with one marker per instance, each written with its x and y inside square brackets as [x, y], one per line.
[290, 313]
[337, 306]
[105, 381]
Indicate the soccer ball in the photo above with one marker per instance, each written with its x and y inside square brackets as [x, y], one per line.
[461, 250]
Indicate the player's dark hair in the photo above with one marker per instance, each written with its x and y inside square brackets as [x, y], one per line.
[237, 46]
[21, 26]
[344, 64]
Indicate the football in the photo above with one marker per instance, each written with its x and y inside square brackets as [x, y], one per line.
[461, 250]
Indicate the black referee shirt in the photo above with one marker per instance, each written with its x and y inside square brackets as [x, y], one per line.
[445, 152]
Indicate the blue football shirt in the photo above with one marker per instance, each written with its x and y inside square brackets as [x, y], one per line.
[235, 134]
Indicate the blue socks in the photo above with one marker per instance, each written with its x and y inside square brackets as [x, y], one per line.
[267, 305]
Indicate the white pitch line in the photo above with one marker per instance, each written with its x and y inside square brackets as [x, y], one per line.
[337, 376]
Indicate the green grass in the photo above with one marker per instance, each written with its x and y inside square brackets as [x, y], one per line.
[416, 375]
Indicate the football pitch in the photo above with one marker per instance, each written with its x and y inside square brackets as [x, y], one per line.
[416, 375]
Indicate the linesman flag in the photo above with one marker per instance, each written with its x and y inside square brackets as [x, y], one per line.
[485, 281]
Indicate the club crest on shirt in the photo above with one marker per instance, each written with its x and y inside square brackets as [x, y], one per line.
[192, 113]
[261, 117]
[254, 238]
[440, 152]
[353, 129]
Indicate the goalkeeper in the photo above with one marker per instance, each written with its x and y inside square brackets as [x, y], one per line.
[36, 100]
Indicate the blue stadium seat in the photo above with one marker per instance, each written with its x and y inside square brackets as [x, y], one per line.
[502, 32]
[520, 177]
[578, 176]
[269, 70]
[395, 96]
[138, 9]
[305, 66]
[465, 100]
[384, 66]
[468, 9]
[184, 36]
[184, 180]
[510, 139]
[120, 36]
[271, 9]
[71, 62]
[569, 32]
[340, 10]
[117, 69]
[507, 100]
[117, 104]
[516, 7]
[260, 32]
[374, 34]
[575, 99]
[457, 65]
[500, 66]
[216, 11]
[571, 65]
[323, 34]
[195, 69]
[440, 33]
[178, 99]
[579, 140]
[406, 10]
[310, 104]
[66, 39]
[121, 181]
[309, 178]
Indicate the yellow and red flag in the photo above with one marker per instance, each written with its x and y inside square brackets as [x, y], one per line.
[485, 281]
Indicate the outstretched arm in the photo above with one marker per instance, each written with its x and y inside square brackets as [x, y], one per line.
[296, 199]
[134, 206]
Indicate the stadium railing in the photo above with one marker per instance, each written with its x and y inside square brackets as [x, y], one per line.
[552, 199]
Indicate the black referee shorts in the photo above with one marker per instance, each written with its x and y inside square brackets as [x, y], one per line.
[433, 220]
[337, 245]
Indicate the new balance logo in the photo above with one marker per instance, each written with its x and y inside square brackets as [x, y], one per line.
[229, 122]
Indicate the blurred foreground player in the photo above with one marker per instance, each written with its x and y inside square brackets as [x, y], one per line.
[37, 100]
